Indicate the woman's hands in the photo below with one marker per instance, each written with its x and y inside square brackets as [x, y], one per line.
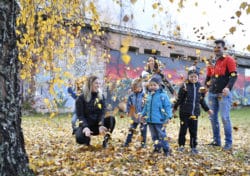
[102, 129]
[87, 131]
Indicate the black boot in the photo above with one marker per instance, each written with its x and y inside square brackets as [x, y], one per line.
[105, 141]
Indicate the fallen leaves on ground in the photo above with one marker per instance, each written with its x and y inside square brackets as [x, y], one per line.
[52, 150]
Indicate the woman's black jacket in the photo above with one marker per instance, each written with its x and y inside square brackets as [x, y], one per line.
[90, 113]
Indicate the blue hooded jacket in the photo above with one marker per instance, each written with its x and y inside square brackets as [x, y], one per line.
[157, 108]
[136, 100]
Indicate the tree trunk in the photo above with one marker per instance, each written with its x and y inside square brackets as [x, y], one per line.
[13, 157]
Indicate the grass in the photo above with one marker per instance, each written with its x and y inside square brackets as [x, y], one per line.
[52, 149]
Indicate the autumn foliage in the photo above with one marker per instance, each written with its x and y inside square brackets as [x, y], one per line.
[53, 151]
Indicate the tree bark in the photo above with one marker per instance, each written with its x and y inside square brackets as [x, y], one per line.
[13, 157]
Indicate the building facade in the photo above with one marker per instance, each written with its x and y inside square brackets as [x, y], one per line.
[106, 62]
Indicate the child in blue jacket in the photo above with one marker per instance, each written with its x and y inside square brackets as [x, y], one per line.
[135, 104]
[157, 111]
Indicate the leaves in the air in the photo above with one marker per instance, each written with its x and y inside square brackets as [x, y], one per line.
[238, 13]
[232, 29]
[125, 18]
[248, 47]
[133, 1]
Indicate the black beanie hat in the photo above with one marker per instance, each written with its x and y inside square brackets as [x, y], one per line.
[156, 80]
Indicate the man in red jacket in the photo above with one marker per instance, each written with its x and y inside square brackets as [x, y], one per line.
[220, 79]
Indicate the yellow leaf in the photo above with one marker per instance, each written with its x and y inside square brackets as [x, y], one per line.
[71, 59]
[178, 28]
[192, 173]
[238, 13]
[114, 98]
[233, 74]
[198, 52]
[52, 115]
[67, 74]
[248, 47]
[155, 5]
[124, 49]
[248, 9]
[126, 58]
[99, 105]
[23, 74]
[125, 18]
[133, 1]
[163, 43]
[126, 41]
[232, 30]
[176, 33]
[243, 5]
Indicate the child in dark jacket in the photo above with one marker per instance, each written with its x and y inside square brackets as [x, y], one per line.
[190, 97]
[157, 111]
[135, 104]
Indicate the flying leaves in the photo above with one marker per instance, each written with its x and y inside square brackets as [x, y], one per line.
[232, 29]
[124, 49]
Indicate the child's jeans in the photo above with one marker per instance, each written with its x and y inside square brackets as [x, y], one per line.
[158, 134]
[143, 129]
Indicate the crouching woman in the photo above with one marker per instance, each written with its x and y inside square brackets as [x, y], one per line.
[90, 109]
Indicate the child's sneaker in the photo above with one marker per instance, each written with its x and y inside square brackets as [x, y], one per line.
[194, 151]
[125, 145]
[181, 149]
[156, 150]
[167, 152]
[227, 147]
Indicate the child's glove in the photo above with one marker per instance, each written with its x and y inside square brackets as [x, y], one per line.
[102, 129]
[87, 131]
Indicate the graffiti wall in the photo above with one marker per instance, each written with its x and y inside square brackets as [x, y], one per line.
[119, 76]
[175, 70]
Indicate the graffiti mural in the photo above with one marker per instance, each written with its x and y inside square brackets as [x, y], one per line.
[119, 76]
[175, 70]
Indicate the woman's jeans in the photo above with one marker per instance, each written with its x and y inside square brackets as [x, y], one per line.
[219, 103]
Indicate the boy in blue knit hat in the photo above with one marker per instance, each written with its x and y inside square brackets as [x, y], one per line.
[156, 112]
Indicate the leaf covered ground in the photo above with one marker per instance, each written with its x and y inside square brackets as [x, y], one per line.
[52, 150]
